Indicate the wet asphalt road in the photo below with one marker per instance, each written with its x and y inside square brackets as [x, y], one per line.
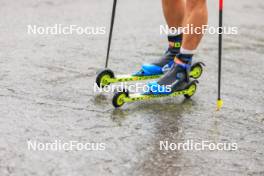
[46, 93]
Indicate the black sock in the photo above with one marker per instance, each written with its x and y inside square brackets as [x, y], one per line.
[175, 42]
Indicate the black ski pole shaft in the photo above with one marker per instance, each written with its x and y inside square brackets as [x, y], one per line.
[111, 32]
[220, 38]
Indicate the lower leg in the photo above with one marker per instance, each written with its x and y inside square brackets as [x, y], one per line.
[173, 11]
[197, 16]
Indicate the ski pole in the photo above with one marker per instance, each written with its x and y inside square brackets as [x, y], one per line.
[219, 100]
[111, 31]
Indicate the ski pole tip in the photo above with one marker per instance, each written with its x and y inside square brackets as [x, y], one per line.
[219, 104]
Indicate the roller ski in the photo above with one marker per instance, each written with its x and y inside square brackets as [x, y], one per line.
[120, 98]
[106, 77]
[177, 79]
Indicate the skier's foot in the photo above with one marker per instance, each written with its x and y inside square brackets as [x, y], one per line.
[175, 79]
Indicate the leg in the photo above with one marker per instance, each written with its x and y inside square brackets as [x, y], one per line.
[173, 11]
[197, 15]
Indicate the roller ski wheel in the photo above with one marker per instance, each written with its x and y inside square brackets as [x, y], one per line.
[103, 77]
[196, 70]
[119, 98]
[191, 89]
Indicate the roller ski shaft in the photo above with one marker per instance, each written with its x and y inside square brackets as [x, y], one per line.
[106, 77]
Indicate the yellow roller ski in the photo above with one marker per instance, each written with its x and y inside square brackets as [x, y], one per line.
[120, 98]
[106, 77]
